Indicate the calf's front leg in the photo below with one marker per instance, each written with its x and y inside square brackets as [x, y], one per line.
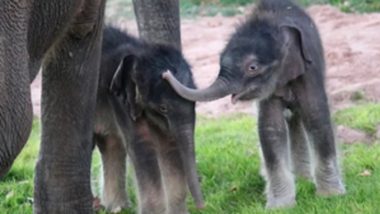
[174, 178]
[151, 197]
[280, 188]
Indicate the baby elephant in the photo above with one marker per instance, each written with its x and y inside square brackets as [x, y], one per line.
[276, 57]
[138, 114]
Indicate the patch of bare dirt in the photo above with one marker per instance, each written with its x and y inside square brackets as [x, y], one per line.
[352, 50]
[349, 135]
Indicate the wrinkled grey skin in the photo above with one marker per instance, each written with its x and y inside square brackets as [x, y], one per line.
[276, 57]
[64, 38]
[143, 117]
[158, 21]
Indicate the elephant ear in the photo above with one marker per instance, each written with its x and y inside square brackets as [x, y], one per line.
[297, 50]
[301, 34]
[123, 85]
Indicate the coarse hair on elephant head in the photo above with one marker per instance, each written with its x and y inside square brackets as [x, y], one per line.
[138, 80]
[266, 52]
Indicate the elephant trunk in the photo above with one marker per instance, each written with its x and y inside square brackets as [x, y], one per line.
[185, 139]
[220, 88]
[16, 112]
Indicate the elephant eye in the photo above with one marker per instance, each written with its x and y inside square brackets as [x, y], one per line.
[163, 108]
[253, 67]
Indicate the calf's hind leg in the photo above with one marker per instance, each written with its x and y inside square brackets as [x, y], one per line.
[299, 148]
[113, 152]
[316, 117]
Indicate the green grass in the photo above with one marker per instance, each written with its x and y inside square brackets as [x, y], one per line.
[190, 8]
[228, 161]
[16, 189]
[365, 117]
[348, 5]
[117, 9]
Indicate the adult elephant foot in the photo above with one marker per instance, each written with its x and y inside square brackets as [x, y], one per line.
[61, 188]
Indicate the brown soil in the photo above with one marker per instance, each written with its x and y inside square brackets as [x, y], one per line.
[352, 50]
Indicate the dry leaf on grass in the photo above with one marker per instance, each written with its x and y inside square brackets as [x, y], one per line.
[365, 173]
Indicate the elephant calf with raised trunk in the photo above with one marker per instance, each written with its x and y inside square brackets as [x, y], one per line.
[139, 114]
[276, 57]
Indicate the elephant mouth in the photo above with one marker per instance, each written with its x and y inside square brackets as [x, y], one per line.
[235, 98]
[245, 95]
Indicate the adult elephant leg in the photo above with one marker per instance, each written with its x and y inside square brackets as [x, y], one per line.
[159, 21]
[299, 148]
[15, 102]
[62, 181]
[114, 155]
[280, 186]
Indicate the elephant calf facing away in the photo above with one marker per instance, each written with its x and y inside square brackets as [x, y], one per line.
[139, 114]
[276, 56]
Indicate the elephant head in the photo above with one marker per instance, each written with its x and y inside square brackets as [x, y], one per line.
[262, 55]
[138, 79]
